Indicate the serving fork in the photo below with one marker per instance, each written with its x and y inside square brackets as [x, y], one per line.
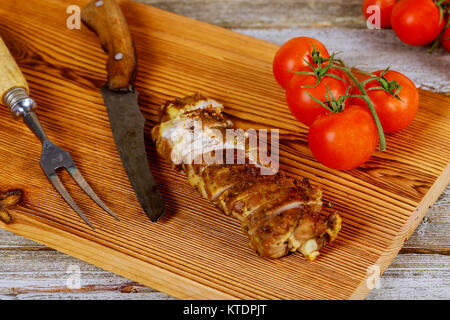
[14, 93]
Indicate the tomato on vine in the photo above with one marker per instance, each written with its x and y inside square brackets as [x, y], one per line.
[394, 97]
[293, 56]
[417, 22]
[343, 139]
[347, 123]
[313, 84]
[302, 89]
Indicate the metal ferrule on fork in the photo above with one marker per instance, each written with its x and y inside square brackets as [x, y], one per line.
[21, 105]
[19, 102]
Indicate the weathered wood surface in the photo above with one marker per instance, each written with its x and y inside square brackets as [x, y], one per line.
[34, 271]
[44, 275]
[268, 13]
[409, 276]
[433, 234]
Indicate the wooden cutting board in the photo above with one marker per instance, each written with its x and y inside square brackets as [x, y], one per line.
[194, 251]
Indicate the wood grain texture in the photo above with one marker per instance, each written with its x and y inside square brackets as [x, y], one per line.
[430, 237]
[11, 76]
[8, 200]
[203, 257]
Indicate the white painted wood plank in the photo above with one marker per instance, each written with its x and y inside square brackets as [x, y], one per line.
[433, 233]
[10, 241]
[51, 274]
[415, 277]
[43, 275]
[94, 295]
[268, 13]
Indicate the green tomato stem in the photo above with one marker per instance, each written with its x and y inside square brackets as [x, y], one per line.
[365, 97]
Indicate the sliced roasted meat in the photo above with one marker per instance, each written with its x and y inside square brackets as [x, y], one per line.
[279, 214]
[251, 193]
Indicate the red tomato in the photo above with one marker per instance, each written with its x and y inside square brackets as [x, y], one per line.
[445, 40]
[343, 140]
[302, 106]
[416, 22]
[394, 114]
[385, 6]
[291, 57]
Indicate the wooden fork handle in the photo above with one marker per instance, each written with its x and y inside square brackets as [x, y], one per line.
[106, 19]
[10, 75]
[14, 91]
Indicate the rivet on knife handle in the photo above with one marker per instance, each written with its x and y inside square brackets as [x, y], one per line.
[121, 100]
[106, 19]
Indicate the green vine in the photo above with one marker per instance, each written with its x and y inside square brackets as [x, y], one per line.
[365, 97]
[444, 11]
[438, 39]
[338, 105]
[318, 70]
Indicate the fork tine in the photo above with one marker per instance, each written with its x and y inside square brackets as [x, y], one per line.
[77, 176]
[54, 179]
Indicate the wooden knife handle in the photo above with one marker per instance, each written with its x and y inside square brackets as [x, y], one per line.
[106, 19]
[10, 74]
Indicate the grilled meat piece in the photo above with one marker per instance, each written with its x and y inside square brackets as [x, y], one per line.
[279, 214]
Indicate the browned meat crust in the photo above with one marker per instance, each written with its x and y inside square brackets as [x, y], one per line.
[279, 214]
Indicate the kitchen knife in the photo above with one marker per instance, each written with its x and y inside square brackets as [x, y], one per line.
[106, 19]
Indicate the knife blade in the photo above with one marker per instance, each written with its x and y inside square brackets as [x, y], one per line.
[120, 96]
